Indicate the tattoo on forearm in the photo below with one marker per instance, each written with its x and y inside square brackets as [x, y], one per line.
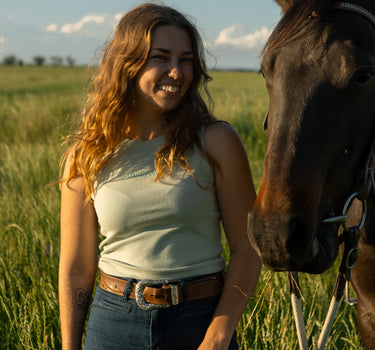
[82, 298]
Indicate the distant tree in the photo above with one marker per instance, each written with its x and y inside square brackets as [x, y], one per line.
[70, 61]
[10, 60]
[39, 60]
[57, 61]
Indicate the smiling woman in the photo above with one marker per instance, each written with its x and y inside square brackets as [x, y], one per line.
[146, 167]
[163, 81]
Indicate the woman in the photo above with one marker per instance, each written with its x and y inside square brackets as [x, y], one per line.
[157, 173]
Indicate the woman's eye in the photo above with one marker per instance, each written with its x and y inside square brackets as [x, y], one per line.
[159, 57]
[187, 59]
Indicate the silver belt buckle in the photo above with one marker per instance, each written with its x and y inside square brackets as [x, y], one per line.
[144, 305]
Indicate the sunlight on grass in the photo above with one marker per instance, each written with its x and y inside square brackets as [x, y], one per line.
[38, 107]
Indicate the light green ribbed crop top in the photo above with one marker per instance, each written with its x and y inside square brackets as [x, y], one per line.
[169, 229]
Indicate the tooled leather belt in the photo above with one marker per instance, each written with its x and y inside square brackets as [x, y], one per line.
[159, 294]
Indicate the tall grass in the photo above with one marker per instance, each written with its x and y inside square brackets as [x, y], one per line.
[38, 106]
[240, 98]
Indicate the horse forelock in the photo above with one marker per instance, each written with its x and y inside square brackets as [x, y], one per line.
[295, 17]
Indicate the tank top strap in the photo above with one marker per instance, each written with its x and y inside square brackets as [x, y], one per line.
[201, 137]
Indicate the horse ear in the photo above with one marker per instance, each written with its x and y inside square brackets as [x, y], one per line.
[285, 4]
[265, 122]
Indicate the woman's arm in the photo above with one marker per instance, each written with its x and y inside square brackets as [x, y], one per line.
[236, 194]
[78, 261]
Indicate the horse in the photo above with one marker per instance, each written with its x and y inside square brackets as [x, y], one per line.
[319, 69]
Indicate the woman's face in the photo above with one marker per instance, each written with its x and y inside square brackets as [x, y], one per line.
[168, 72]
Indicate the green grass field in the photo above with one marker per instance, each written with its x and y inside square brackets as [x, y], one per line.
[38, 107]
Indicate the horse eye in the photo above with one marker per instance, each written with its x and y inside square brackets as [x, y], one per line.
[362, 77]
[262, 73]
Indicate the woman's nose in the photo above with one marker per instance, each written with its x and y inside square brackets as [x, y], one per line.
[174, 72]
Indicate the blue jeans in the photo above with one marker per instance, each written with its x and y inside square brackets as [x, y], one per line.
[116, 322]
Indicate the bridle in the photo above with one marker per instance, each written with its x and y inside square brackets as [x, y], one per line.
[349, 237]
[368, 182]
[340, 5]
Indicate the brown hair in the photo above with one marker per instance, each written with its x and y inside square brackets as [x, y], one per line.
[113, 91]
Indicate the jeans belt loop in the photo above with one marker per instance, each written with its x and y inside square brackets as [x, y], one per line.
[128, 288]
[174, 294]
[184, 291]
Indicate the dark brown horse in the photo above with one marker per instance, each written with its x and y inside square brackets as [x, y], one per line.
[319, 67]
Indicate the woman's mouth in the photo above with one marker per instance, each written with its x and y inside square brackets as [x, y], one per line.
[169, 88]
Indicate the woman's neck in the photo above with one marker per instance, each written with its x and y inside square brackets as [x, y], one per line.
[144, 129]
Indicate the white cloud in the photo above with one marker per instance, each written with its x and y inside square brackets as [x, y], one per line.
[232, 36]
[90, 25]
[51, 27]
[76, 27]
[117, 17]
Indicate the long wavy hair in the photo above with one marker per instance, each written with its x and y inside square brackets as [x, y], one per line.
[105, 114]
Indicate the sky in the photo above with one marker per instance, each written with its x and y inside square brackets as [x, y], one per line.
[234, 31]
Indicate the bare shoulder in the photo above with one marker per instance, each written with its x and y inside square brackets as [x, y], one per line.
[220, 129]
[75, 184]
[234, 183]
[222, 139]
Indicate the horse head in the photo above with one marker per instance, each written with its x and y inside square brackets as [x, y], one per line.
[319, 68]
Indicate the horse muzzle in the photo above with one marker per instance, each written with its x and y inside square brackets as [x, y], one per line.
[286, 242]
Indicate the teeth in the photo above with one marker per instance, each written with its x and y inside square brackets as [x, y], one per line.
[169, 88]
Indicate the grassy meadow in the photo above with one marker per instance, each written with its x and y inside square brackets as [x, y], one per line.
[38, 107]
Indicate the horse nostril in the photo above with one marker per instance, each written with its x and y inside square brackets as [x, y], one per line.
[299, 236]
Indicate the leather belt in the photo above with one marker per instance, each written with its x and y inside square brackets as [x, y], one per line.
[161, 293]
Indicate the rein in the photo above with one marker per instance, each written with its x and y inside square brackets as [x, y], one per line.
[349, 237]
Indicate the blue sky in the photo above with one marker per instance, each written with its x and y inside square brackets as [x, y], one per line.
[234, 30]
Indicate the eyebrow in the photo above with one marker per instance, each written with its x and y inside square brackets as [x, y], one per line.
[186, 53]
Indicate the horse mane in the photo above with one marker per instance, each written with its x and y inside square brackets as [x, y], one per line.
[294, 18]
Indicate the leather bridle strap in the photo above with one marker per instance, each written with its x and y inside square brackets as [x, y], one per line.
[368, 175]
[355, 8]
